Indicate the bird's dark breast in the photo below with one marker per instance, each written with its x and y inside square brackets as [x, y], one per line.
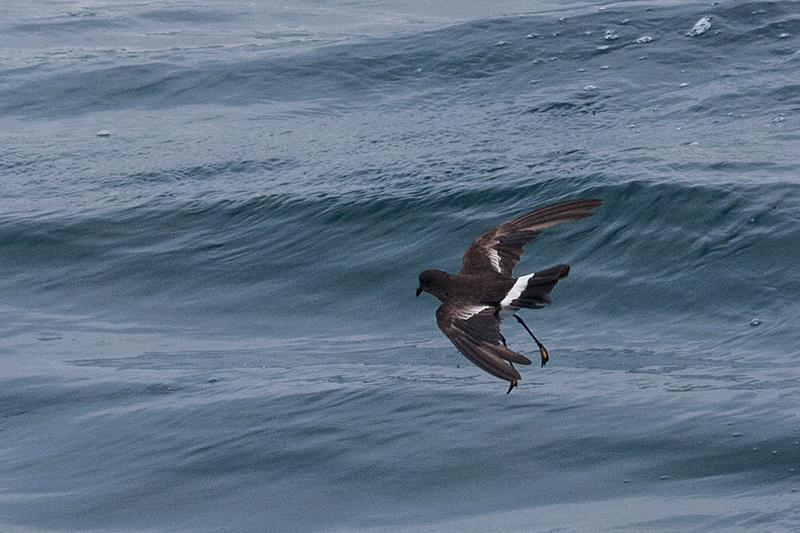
[492, 289]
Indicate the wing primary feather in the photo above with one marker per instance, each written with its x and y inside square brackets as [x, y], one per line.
[499, 249]
[478, 338]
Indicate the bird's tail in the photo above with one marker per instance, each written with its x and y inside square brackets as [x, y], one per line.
[537, 292]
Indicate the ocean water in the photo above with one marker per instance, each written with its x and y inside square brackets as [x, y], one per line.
[213, 214]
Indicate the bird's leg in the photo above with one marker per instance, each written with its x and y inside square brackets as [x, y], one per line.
[504, 340]
[511, 387]
[542, 349]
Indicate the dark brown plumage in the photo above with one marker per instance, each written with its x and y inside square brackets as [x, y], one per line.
[475, 300]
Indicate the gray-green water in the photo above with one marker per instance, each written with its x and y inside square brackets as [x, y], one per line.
[207, 317]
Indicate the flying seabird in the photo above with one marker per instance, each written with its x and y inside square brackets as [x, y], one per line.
[483, 293]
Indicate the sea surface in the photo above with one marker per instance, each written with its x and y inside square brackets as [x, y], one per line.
[212, 219]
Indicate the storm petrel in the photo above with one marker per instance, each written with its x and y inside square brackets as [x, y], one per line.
[483, 293]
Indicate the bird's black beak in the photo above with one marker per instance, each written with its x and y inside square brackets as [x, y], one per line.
[419, 291]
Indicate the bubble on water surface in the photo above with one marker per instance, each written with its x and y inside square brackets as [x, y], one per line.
[700, 27]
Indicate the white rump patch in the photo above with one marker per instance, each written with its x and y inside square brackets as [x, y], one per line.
[468, 312]
[506, 309]
[494, 258]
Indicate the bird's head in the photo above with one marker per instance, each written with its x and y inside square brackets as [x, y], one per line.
[433, 282]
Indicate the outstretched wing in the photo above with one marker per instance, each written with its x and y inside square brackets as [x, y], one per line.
[499, 249]
[475, 331]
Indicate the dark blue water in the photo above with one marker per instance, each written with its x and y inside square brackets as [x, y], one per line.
[207, 312]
